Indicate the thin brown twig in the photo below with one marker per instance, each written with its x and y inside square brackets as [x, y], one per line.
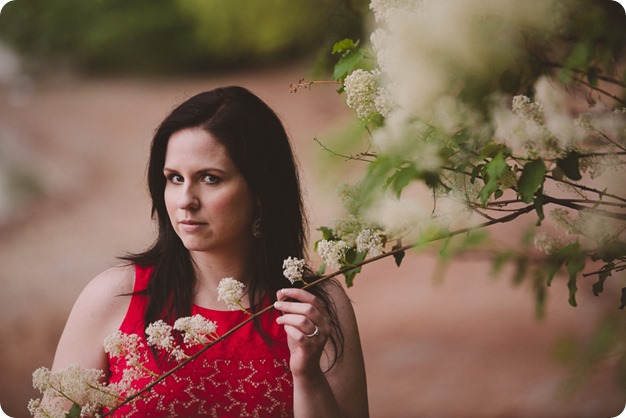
[294, 87]
[320, 280]
[585, 188]
[572, 205]
[599, 90]
[359, 157]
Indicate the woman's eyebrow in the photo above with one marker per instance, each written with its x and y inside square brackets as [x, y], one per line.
[202, 170]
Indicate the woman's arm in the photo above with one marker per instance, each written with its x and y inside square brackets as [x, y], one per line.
[340, 391]
[98, 312]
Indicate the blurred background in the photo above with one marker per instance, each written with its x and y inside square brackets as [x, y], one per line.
[83, 84]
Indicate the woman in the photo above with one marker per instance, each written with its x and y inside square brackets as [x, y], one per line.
[225, 194]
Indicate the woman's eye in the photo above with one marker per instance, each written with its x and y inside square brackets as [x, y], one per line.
[211, 179]
[175, 178]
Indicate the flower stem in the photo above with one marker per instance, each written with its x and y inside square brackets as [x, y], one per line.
[319, 280]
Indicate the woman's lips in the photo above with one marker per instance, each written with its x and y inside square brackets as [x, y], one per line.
[190, 225]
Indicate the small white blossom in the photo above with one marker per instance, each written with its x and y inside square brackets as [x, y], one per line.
[293, 269]
[160, 335]
[41, 378]
[230, 291]
[120, 344]
[332, 252]
[113, 344]
[370, 241]
[197, 329]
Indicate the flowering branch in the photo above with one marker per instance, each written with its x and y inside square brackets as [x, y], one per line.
[317, 281]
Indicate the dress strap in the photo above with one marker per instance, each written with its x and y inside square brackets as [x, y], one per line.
[133, 321]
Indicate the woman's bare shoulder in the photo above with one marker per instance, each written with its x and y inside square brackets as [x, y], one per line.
[105, 293]
[98, 312]
[117, 280]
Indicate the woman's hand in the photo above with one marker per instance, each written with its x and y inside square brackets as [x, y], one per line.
[307, 326]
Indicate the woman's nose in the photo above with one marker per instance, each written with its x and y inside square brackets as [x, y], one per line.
[188, 199]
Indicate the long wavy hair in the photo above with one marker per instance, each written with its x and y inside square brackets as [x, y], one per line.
[257, 143]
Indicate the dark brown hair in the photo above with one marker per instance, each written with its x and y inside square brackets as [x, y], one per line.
[258, 145]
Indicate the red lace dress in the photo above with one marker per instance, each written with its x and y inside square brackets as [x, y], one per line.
[241, 376]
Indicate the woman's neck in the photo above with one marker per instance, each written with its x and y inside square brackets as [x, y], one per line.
[210, 268]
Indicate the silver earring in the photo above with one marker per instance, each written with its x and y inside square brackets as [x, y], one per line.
[256, 227]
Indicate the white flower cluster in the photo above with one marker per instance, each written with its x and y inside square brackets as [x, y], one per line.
[81, 386]
[385, 9]
[293, 268]
[120, 344]
[84, 388]
[586, 224]
[132, 349]
[332, 252]
[536, 130]
[231, 292]
[197, 329]
[526, 108]
[370, 241]
[160, 335]
[546, 243]
[361, 91]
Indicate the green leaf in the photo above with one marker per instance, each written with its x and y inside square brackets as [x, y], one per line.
[570, 166]
[320, 271]
[557, 173]
[377, 172]
[566, 75]
[552, 268]
[344, 45]
[445, 252]
[611, 250]
[327, 233]
[499, 261]
[401, 178]
[494, 170]
[353, 257]
[540, 301]
[592, 76]
[598, 287]
[348, 63]
[571, 286]
[580, 56]
[475, 172]
[492, 149]
[474, 238]
[575, 263]
[521, 267]
[531, 180]
[74, 411]
[398, 257]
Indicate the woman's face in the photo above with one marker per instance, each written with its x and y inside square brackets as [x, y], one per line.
[208, 201]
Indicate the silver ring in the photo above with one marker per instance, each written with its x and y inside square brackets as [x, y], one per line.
[314, 333]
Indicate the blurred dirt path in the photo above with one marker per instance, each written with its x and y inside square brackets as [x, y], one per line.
[468, 346]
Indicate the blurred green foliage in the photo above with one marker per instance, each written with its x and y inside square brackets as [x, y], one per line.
[174, 36]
